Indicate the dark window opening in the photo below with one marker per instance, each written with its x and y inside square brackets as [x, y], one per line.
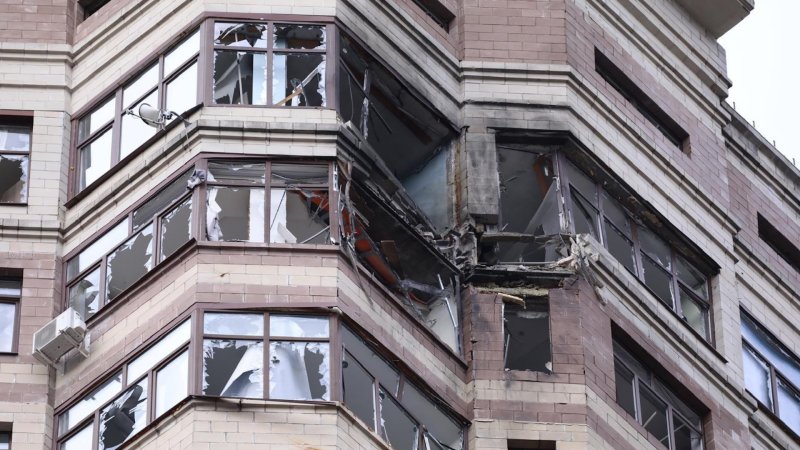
[519, 444]
[641, 101]
[15, 147]
[780, 243]
[527, 335]
[90, 7]
[439, 13]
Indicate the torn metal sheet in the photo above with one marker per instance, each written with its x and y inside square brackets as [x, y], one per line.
[299, 370]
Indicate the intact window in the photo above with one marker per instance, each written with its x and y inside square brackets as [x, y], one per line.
[10, 294]
[655, 404]
[15, 148]
[527, 335]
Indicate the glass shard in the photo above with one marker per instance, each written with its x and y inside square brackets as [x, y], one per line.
[240, 34]
[89, 403]
[124, 417]
[438, 424]
[584, 215]
[658, 280]
[299, 36]
[756, 376]
[240, 78]
[14, 178]
[235, 214]
[298, 79]
[165, 197]
[655, 247]
[233, 368]
[299, 217]
[694, 313]
[236, 172]
[686, 438]
[654, 415]
[789, 405]
[97, 249]
[396, 426]
[772, 350]
[620, 247]
[84, 296]
[129, 262]
[299, 370]
[692, 277]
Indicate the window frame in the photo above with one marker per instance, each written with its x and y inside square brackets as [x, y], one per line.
[671, 411]
[19, 119]
[17, 302]
[601, 222]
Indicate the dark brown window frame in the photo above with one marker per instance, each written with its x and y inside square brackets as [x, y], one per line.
[21, 119]
[784, 247]
[13, 275]
[647, 107]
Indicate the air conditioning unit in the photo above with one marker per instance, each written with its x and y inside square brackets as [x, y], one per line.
[60, 335]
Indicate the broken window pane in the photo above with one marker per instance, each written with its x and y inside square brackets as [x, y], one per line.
[396, 426]
[299, 370]
[654, 414]
[436, 422]
[620, 247]
[240, 78]
[97, 249]
[96, 119]
[655, 247]
[686, 438]
[299, 36]
[139, 87]
[181, 53]
[129, 262]
[8, 316]
[162, 199]
[95, 159]
[299, 217]
[134, 131]
[298, 79]
[387, 375]
[694, 312]
[14, 178]
[756, 376]
[658, 280]
[624, 388]
[82, 440]
[166, 345]
[527, 335]
[298, 326]
[176, 228]
[89, 403]
[359, 390]
[235, 324]
[584, 216]
[172, 383]
[429, 187]
[84, 296]
[236, 171]
[299, 174]
[15, 138]
[235, 214]
[124, 417]
[582, 183]
[442, 318]
[240, 34]
[789, 405]
[233, 368]
[543, 222]
[691, 277]
[182, 91]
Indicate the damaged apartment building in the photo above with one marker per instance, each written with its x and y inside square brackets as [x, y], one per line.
[389, 224]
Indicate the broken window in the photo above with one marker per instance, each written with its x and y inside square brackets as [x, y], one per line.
[176, 228]
[233, 368]
[680, 285]
[10, 295]
[243, 53]
[106, 137]
[235, 214]
[662, 410]
[172, 383]
[129, 262]
[527, 335]
[89, 403]
[299, 217]
[84, 296]
[771, 372]
[15, 147]
[124, 417]
[429, 186]
[162, 200]
[299, 369]
[372, 388]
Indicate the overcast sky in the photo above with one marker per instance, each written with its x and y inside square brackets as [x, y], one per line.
[764, 65]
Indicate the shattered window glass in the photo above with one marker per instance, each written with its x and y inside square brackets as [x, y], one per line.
[235, 214]
[299, 370]
[396, 426]
[441, 317]
[84, 296]
[97, 249]
[96, 120]
[240, 78]
[130, 262]
[165, 197]
[89, 403]
[181, 92]
[233, 368]
[82, 440]
[429, 187]
[13, 178]
[584, 215]
[236, 172]
[527, 335]
[160, 350]
[124, 417]
[182, 53]
[240, 34]
[233, 324]
[176, 229]
[387, 375]
[172, 383]
[95, 159]
[359, 390]
[298, 79]
[298, 174]
[298, 326]
[296, 36]
[299, 217]
[438, 424]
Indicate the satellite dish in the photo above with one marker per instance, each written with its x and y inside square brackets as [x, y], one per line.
[151, 116]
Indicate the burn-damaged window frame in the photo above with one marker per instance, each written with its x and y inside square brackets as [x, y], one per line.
[112, 106]
[20, 121]
[755, 335]
[603, 224]
[424, 439]
[269, 51]
[638, 376]
[93, 420]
